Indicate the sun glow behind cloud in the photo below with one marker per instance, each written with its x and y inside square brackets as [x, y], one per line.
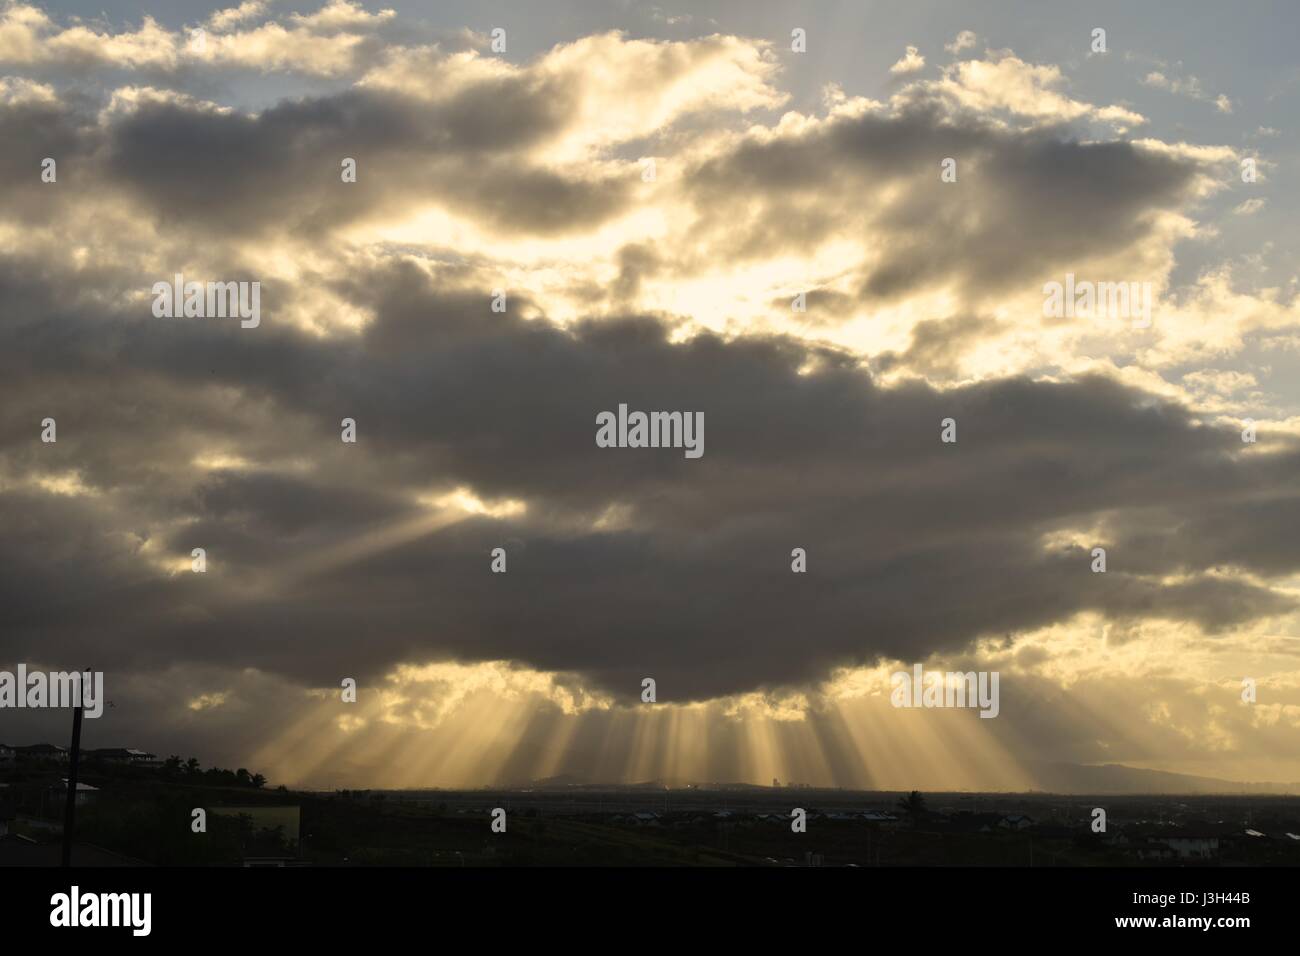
[458, 725]
[525, 174]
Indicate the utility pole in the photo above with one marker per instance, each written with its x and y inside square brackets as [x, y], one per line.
[74, 757]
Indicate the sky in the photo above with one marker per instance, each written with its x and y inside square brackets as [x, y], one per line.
[827, 228]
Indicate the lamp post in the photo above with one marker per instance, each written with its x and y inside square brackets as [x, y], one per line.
[74, 758]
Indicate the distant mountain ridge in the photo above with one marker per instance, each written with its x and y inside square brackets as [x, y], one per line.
[1116, 778]
[1048, 778]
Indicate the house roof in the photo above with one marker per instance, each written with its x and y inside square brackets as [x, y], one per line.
[118, 752]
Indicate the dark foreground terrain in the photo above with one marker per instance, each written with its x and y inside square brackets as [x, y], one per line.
[145, 816]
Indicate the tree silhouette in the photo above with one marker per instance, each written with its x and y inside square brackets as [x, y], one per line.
[913, 805]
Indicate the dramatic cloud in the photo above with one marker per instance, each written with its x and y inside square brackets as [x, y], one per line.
[645, 213]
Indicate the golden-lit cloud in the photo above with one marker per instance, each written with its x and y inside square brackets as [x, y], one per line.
[680, 223]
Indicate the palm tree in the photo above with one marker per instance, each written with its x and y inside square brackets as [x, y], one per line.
[192, 765]
[913, 805]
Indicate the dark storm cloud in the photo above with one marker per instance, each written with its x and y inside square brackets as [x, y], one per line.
[937, 344]
[1025, 203]
[627, 563]
[33, 129]
[198, 169]
[914, 546]
[281, 168]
